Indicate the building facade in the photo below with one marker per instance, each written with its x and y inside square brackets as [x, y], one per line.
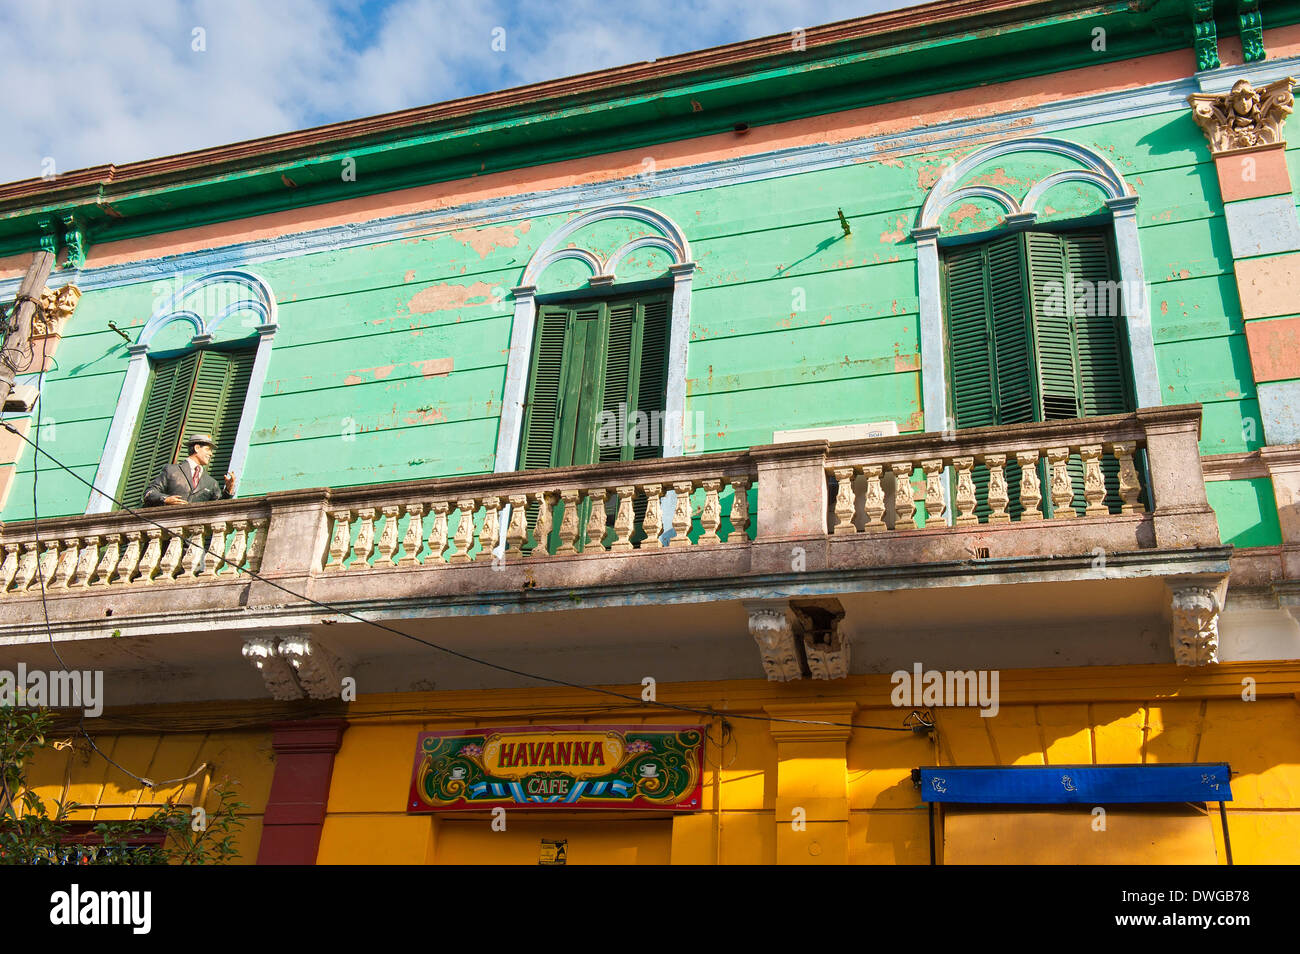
[779, 433]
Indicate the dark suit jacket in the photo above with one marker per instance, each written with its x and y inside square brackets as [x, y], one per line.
[175, 479]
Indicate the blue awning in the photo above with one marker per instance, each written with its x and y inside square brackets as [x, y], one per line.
[1076, 784]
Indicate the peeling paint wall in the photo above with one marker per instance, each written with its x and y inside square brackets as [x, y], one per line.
[390, 359]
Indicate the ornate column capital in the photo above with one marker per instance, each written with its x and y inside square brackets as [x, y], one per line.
[56, 307]
[1243, 117]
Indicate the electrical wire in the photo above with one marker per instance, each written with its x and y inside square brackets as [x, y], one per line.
[637, 701]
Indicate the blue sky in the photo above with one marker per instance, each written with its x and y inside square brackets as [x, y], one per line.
[90, 82]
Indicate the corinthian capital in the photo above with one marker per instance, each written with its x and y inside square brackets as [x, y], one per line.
[1243, 116]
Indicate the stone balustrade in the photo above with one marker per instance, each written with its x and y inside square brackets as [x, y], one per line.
[1116, 467]
[1124, 484]
[535, 515]
[120, 550]
[1015, 483]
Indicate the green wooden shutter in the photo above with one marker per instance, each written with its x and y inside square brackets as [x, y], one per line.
[1079, 342]
[1053, 327]
[159, 430]
[544, 381]
[970, 345]
[217, 401]
[988, 320]
[1009, 314]
[1102, 369]
[651, 381]
[617, 401]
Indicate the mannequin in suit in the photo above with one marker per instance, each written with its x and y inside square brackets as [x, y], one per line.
[189, 481]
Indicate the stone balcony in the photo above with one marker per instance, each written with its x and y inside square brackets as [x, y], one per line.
[809, 548]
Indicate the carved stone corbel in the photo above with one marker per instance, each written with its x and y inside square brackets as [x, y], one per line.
[1244, 116]
[826, 649]
[274, 668]
[1195, 630]
[773, 630]
[319, 671]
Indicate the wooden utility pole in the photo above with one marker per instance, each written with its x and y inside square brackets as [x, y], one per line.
[19, 329]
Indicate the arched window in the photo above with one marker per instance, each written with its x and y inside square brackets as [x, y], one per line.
[203, 385]
[602, 318]
[1032, 310]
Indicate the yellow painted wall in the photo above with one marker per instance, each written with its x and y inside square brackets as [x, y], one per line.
[78, 774]
[853, 786]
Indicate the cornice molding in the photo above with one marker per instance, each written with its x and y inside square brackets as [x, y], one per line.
[1056, 117]
[932, 22]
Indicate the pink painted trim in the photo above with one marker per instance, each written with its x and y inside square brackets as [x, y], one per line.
[914, 114]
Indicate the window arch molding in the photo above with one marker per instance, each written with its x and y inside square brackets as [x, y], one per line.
[245, 292]
[603, 276]
[1121, 200]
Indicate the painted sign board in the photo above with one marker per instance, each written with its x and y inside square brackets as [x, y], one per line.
[639, 767]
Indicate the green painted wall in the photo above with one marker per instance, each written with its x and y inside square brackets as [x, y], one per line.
[793, 324]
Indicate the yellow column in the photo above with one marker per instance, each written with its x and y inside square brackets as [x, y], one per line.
[812, 802]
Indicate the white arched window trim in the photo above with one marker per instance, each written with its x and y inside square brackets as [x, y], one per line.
[1122, 203]
[260, 302]
[603, 275]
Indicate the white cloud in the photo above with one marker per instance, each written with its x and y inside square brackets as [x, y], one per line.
[89, 83]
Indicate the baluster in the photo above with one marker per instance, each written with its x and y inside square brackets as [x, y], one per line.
[171, 558]
[341, 540]
[710, 513]
[365, 545]
[234, 559]
[999, 497]
[193, 561]
[130, 562]
[904, 504]
[66, 565]
[625, 519]
[1094, 485]
[48, 563]
[965, 492]
[148, 567]
[489, 534]
[545, 520]
[27, 563]
[387, 545]
[414, 538]
[594, 535]
[517, 528]
[1030, 491]
[86, 563]
[1062, 488]
[653, 522]
[438, 533]
[568, 523]
[258, 546]
[874, 500]
[1130, 488]
[682, 513]
[9, 568]
[844, 500]
[212, 563]
[739, 509]
[464, 537]
[934, 505]
[108, 561]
